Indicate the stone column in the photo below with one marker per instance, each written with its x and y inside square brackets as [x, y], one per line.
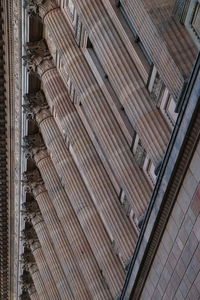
[31, 274]
[111, 140]
[123, 75]
[61, 244]
[50, 255]
[83, 152]
[50, 285]
[110, 267]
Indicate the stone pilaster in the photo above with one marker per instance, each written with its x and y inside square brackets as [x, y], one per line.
[61, 244]
[83, 206]
[30, 238]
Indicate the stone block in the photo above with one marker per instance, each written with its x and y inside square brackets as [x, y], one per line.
[194, 166]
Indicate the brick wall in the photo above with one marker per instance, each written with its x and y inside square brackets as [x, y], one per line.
[175, 272]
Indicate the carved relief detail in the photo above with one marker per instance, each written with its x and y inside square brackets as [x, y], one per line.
[33, 103]
[33, 182]
[38, 58]
[33, 144]
[29, 237]
[32, 212]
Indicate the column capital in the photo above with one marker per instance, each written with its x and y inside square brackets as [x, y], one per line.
[38, 58]
[32, 212]
[33, 182]
[36, 106]
[28, 259]
[40, 7]
[33, 103]
[26, 281]
[33, 144]
[29, 237]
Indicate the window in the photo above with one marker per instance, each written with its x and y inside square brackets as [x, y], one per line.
[149, 169]
[155, 85]
[138, 150]
[168, 106]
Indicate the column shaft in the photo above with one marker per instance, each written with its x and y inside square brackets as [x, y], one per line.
[86, 213]
[52, 260]
[74, 232]
[46, 275]
[62, 247]
[39, 285]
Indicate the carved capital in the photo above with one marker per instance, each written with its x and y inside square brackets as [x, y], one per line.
[24, 295]
[27, 257]
[38, 49]
[29, 235]
[30, 210]
[33, 102]
[36, 106]
[33, 144]
[40, 7]
[33, 182]
[25, 280]
[38, 58]
[32, 6]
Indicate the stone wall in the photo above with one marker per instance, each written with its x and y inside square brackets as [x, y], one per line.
[175, 272]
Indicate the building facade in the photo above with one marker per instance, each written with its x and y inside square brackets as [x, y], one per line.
[105, 118]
